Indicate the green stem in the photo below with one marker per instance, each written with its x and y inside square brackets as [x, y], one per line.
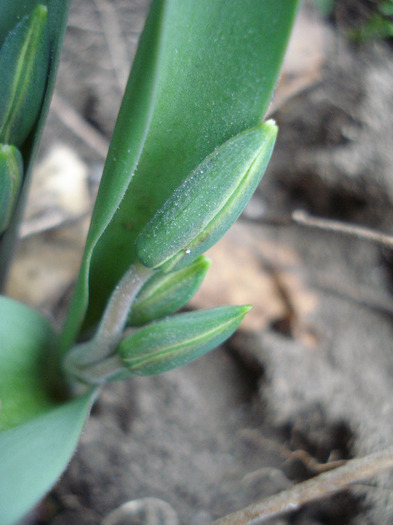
[97, 373]
[109, 332]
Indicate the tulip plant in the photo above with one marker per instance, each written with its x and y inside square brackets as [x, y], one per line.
[188, 150]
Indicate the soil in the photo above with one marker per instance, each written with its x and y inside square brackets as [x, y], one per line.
[311, 375]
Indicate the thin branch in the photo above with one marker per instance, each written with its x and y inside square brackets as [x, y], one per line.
[302, 455]
[50, 221]
[110, 329]
[321, 486]
[79, 126]
[114, 41]
[301, 218]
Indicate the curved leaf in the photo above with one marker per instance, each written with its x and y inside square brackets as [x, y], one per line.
[26, 342]
[124, 154]
[37, 433]
[33, 455]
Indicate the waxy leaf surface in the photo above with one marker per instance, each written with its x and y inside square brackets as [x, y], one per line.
[37, 433]
[205, 71]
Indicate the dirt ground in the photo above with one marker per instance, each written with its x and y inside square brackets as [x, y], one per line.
[308, 378]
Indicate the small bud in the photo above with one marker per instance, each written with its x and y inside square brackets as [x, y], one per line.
[11, 175]
[165, 293]
[208, 202]
[24, 62]
[177, 340]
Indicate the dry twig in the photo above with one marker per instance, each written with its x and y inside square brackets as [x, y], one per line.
[79, 126]
[302, 218]
[321, 486]
[114, 41]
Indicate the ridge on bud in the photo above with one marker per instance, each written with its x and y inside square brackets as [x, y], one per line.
[208, 202]
[11, 175]
[24, 63]
[177, 340]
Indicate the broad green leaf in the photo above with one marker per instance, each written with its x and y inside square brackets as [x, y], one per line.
[37, 432]
[212, 78]
[165, 293]
[26, 343]
[11, 11]
[178, 340]
[33, 456]
[124, 154]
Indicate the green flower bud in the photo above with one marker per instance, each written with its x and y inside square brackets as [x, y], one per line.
[11, 175]
[177, 340]
[208, 202]
[24, 62]
[165, 293]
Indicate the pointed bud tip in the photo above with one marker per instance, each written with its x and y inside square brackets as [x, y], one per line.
[244, 309]
[6, 149]
[40, 10]
[270, 127]
[204, 262]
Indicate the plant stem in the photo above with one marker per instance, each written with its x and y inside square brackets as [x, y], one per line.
[97, 373]
[111, 327]
[313, 489]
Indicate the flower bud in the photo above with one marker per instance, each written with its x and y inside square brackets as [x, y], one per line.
[11, 175]
[24, 62]
[208, 202]
[177, 340]
[165, 293]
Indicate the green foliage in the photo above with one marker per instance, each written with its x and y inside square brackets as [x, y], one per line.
[34, 454]
[37, 432]
[192, 87]
[27, 339]
[379, 24]
[188, 150]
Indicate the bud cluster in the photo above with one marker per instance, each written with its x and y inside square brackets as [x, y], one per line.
[24, 63]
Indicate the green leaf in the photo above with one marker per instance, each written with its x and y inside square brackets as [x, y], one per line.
[11, 174]
[165, 293]
[24, 63]
[11, 12]
[37, 433]
[205, 71]
[386, 8]
[34, 454]
[124, 154]
[208, 202]
[26, 342]
[177, 340]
